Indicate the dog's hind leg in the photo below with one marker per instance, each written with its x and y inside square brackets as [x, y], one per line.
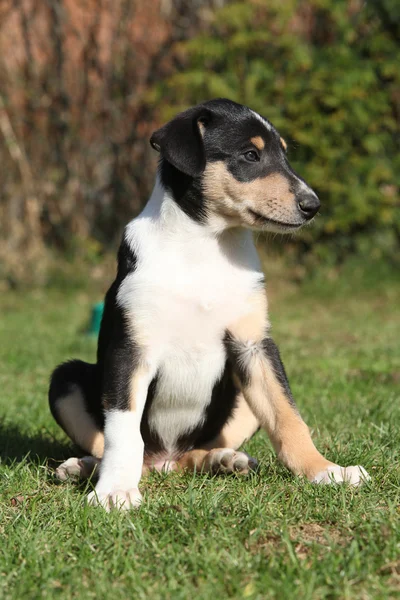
[221, 455]
[74, 398]
[217, 460]
[78, 468]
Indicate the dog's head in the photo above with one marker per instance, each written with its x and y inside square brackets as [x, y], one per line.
[228, 165]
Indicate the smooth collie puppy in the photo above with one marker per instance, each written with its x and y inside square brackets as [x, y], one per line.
[186, 368]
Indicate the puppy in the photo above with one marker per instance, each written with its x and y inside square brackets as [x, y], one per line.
[186, 368]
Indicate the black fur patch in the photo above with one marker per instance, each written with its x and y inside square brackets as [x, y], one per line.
[117, 353]
[272, 353]
[185, 190]
[116, 357]
[112, 323]
[180, 142]
[121, 357]
[152, 443]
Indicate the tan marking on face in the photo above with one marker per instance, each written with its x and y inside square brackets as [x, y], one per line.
[258, 142]
[230, 199]
[78, 424]
[284, 144]
[263, 189]
[289, 434]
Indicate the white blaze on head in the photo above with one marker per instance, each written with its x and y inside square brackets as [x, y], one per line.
[266, 123]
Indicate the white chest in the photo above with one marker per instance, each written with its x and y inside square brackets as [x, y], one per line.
[187, 288]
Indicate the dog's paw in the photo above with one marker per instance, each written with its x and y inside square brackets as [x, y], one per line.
[335, 474]
[226, 460]
[119, 499]
[77, 468]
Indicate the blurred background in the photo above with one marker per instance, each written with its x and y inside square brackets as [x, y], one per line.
[83, 83]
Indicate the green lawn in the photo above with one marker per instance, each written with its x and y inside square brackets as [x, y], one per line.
[268, 536]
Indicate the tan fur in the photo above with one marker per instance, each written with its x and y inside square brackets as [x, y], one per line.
[254, 323]
[293, 444]
[263, 189]
[230, 199]
[193, 460]
[218, 183]
[289, 434]
[269, 403]
[79, 425]
[138, 381]
[217, 460]
[258, 142]
[284, 144]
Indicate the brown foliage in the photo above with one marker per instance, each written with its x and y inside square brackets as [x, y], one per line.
[76, 112]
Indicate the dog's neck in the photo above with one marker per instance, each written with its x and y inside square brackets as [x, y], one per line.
[167, 216]
[185, 190]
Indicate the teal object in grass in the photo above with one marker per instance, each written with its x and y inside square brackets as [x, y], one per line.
[95, 321]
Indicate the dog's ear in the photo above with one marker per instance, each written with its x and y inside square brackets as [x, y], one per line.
[180, 141]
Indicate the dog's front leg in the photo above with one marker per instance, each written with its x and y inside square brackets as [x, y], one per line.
[124, 398]
[264, 384]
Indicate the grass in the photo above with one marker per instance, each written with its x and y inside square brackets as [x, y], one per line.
[268, 536]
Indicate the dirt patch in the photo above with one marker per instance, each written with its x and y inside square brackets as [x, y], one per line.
[320, 534]
[392, 567]
[304, 539]
[266, 544]
[393, 570]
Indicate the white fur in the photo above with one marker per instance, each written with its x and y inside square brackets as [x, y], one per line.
[227, 460]
[188, 287]
[121, 467]
[335, 474]
[183, 392]
[80, 468]
[266, 123]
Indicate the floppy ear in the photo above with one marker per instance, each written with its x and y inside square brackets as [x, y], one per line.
[180, 141]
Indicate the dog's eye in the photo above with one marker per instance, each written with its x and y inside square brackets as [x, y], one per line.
[251, 156]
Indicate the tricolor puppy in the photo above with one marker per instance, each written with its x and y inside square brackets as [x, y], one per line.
[186, 369]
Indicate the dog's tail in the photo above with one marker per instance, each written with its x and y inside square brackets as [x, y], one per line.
[74, 398]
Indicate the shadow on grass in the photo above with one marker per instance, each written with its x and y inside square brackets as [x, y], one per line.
[17, 445]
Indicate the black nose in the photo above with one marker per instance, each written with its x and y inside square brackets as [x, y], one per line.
[309, 205]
